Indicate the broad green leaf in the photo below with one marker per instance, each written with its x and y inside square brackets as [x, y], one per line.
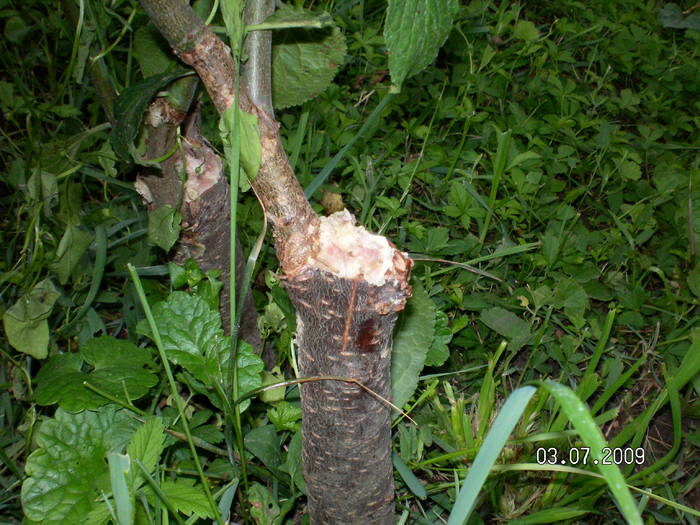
[264, 443]
[192, 335]
[146, 445]
[269, 378]
[414, 32]
[117, 370]
[68, 471]
[288, 17]
[129, 109]
[16, 29]
[670, 15]
[232, 13]
[263, 508]
[71, 248]
[571, 296]
[151, 51]
[25, 321]
[250, 367]
[292, 464]
[507, 324]
[251, 150]
[693, 280]
[414, 334]
[526, 30]
[164, 227]
[193, 338]
[186, 497]
[43, 186]
[304, 61]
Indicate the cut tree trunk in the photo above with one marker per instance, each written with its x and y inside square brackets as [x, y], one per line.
[347, 286]
[346, 311]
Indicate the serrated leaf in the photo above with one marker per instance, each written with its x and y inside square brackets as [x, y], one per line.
[25, 321]
[164, 227]
[439, 351]
[69, 470]
[414, 32]
[193, 338]
[191, 334]
[118, 368]
[414, 334]
[507, 324]
[146, 445]
[285, 416]
[186, 497]
[304, 61]
[129, 108]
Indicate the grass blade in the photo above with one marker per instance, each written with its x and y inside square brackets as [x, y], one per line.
[582, 420]
[328, 168]
[412, 482]
[119, 465]
[493, 444]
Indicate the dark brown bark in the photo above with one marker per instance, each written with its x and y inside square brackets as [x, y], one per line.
[346, 440]
[347, 287]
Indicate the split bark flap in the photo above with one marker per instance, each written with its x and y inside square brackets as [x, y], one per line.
[205, 207]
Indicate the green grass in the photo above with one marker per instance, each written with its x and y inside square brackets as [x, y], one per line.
[552, 147]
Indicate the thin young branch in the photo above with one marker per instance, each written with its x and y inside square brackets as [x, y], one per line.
[257, 70]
